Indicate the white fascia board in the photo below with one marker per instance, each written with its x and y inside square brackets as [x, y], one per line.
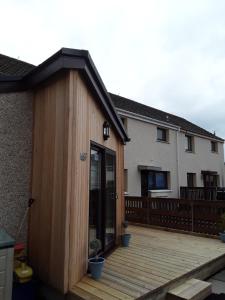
[135, 116]
[201, 136]
[138, 117]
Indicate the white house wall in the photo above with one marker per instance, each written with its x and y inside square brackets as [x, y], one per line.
[201, 159]
[144, 149]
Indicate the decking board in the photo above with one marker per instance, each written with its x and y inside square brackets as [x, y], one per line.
[112, 291]
[154, 260]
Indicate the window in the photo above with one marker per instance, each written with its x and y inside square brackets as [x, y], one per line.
[153, 180]
[157, 180]
[191, 179]
[162, 134]
[210, 180]
[125, 180]
[214, 146]
[189, 143]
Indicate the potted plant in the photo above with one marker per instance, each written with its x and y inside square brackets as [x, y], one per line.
[221, 226]
[96, 263]
[126, 236]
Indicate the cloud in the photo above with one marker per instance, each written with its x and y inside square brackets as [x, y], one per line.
[169, 54]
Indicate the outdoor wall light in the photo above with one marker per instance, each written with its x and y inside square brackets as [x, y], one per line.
[106, 130]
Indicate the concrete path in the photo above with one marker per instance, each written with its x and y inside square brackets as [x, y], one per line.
[218, 283]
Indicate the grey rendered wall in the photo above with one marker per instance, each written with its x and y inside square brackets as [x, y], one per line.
[202, 159]
[15, 159]
[143, 149]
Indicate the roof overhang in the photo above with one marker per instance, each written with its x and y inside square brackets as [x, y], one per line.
[135, 116]
[149, 168]
[211, 138]
[132, 115]
[66, 59]
[209, 172]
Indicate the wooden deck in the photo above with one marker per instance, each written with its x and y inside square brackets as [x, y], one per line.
[155, 262]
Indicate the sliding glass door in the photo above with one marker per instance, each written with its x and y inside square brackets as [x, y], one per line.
[95, 197]
[110, 200]
[102, 199]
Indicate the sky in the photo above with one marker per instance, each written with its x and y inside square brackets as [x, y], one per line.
[169, 54]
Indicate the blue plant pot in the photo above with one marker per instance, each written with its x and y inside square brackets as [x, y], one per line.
[222, 236]
[126, 239]
[96, 267]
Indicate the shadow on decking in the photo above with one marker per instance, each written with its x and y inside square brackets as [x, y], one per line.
[155, 262]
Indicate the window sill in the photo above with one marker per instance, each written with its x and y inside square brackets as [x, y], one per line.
[189, 151]
[164, 142]
[160, 191]
[214, 152]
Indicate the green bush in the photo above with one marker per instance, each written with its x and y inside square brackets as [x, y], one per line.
[96, 245]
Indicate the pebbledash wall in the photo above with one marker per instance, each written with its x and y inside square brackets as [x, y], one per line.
[16, 123]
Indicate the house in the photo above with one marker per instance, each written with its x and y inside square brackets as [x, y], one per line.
[62, 144]
[167, 152]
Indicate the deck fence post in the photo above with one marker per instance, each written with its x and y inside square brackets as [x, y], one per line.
[192, 215]
[149, 210]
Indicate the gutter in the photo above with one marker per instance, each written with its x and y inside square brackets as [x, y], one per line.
[203, 136]
[139, 117]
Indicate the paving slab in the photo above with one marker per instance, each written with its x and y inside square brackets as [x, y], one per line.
[218, 282]
[219, 276]
[218, 287]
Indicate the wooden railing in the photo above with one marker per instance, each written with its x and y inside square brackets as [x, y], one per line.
[202, 193]
[189, 215]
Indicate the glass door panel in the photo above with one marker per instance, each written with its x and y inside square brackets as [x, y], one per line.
[102, 198]
[95, 206]
[110, 200]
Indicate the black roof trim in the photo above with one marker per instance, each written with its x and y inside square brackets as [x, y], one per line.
[10, 83]
[66, 59]
[161, 116]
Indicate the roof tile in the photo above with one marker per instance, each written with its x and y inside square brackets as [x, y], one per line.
[13, 67]
[148, 111]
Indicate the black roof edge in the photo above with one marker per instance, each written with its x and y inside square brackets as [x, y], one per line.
[67, 58]
[10, 83]
[10, 78]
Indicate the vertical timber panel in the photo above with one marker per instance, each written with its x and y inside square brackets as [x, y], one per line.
[87, 126]
[79, 180]
[60, 199]
[66, 119]
[48, 219]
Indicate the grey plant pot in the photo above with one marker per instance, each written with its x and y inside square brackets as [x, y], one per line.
[96, 267]
[126, 239]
